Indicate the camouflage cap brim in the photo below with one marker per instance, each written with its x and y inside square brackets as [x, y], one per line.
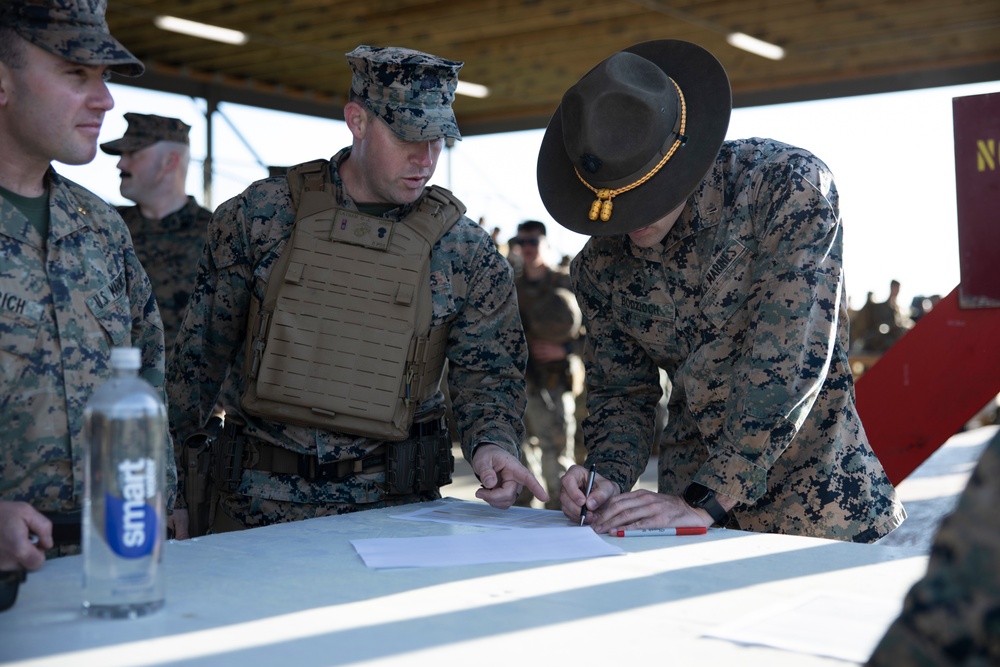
[418, 123]
[85, 46]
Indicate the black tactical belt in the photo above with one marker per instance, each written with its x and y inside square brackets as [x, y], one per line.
[66, 527]
[260, 455]
[432, 427]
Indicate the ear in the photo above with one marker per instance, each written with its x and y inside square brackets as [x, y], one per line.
[4, 83]
[356, 117]
[171, 160]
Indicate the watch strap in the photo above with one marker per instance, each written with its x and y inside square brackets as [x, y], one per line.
[712, 506]
[709, 503]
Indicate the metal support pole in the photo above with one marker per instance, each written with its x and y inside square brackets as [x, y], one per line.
[211, 106]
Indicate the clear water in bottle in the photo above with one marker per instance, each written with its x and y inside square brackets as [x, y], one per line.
[124, 510]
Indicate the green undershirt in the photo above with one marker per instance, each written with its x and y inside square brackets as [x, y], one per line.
[375, 209]
[35, 209]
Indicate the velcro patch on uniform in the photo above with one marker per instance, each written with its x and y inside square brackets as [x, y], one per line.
[16, 306]
[644, 306]
[723, 261]
[108, 294]
[360, 229]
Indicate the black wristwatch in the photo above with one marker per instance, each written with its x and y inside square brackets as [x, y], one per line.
[702, 497]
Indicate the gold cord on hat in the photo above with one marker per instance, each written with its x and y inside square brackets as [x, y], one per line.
[602, 205]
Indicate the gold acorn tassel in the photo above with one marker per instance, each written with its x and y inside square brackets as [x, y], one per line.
[602, 205]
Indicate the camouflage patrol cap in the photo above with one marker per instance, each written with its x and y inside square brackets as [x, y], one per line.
[145, 130]
[410, 90]
[72, 29]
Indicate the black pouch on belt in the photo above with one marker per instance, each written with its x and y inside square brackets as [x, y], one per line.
[423, 462]
[66, 527]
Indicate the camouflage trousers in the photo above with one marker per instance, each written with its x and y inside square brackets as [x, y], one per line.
[238, 512]
[550, 430]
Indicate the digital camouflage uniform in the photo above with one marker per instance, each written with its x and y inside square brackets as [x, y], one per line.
[549, 312]
[952, 615]
[169, 250]
[65, 301]
[744, 308]
[473, 293]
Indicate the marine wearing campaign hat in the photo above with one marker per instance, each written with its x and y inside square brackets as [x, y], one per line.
[72, 29]
[720, 263]
[145, 130]
[410, 90]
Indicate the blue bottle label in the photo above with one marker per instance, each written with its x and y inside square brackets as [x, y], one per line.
[130, 521]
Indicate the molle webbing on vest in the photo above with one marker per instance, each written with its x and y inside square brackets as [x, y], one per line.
[342, 340]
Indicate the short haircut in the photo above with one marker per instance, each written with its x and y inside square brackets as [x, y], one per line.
[11, 49]
[359, 99]
[532, 226]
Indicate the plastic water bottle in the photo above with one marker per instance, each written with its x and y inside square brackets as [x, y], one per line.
[124, 509]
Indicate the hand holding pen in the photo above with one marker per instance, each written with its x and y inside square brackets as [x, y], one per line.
[586, 497]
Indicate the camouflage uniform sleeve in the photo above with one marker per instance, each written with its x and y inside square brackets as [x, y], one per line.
[952, 615]
[795, 293]
[487, 353]
[622, 381]
[214, 325]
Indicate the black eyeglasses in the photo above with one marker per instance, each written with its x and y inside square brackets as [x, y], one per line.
[528, 240]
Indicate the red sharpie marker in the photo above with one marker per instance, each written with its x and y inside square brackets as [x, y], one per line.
[654, 532]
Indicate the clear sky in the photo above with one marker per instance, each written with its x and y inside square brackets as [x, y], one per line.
[892, 156]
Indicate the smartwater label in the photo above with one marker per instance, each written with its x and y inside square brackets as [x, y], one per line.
[130, 521]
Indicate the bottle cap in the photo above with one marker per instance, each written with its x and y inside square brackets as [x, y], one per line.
[125, 358]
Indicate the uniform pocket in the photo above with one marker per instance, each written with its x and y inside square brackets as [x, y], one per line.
[19, 332]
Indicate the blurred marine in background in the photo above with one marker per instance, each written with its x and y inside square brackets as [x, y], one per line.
[551, 320]
[168, 226]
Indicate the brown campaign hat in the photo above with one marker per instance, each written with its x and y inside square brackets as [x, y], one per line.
[72, 29]
[410, 90]
[145, 130]
[634, 137]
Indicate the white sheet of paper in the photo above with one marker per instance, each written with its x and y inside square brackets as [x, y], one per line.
[471, 513]
[816, 625]
[496, 546]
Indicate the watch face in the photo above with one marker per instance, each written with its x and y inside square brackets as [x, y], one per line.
[696, 494]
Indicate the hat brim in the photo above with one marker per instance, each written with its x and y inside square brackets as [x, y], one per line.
[431, 126]
[708, 97]
[87, 47]
[126, 145]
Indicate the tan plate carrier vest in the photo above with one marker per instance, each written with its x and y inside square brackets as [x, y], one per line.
[342, 340]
